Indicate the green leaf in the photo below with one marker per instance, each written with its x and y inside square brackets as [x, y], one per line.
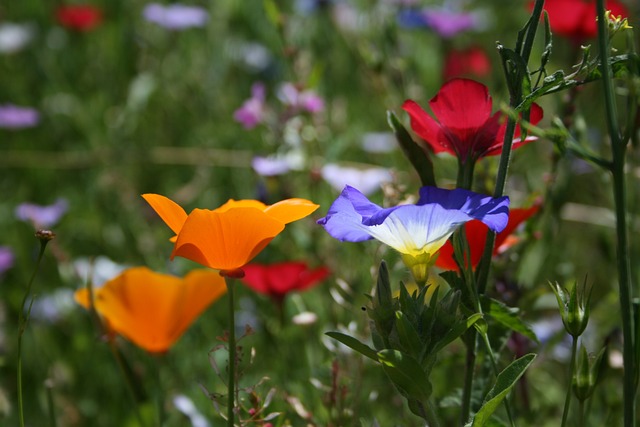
[507, 316]
[504, 383]
[406, 374]
[408, 335]
[354, 344]
[273, 12]
[417, 156]
[456, 331]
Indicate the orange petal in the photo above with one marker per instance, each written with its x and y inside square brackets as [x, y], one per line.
[241, 204]
[81, 296]
[290, 210]
[170, 212]
[225, 240]
[153, 310]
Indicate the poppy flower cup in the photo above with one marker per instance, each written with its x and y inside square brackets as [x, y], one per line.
[228, 237]
[153, 310]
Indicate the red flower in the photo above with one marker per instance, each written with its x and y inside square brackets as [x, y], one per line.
[277, 280]
[577, 18]
[476, 233]
[81, 17]
[465, 126]
[472, 61]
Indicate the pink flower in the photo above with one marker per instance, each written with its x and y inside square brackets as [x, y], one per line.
[252, 111]
[465, 126]
[304, 100]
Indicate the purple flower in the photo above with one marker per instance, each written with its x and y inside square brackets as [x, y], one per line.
[305, 100]
[14, 117]
[176, 16]
[445, 22]
[252, 112]
[270, 166]
[7, 258]
[42, 216]
[416, 231]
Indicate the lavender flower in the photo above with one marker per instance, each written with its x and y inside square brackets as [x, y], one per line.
[14, 117]
[270, 166]
[252, 112]
[7, 258]
[304, 100]
[176, 16]
[42, 216]
[446, 22]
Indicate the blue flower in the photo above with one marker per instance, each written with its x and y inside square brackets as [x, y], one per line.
[416, 231]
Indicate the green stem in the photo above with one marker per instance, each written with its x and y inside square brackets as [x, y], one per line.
[572, 368]
[48, 385]
[581, 413]
[22, 325]
[618, 149]
[469, 367]
[232, 355]
[158, 362]
[128, 380]
[429, 414]
[494, 365]
[505, 156]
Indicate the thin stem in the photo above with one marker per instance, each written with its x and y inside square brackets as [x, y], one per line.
[469, 367]
[232, 355]
[127, 380]
[158, 362]
[572, 368]
[23, 319]
[48, 385]
[505, 156]
[618, 149]
[581, 413]
[494, 365]
[429, 414]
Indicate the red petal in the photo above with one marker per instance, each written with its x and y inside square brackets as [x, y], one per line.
[426, 127]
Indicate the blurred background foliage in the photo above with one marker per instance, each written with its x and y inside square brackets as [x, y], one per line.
[130, 107]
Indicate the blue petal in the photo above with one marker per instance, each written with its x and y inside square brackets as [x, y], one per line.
[345, 216]
[494, 212]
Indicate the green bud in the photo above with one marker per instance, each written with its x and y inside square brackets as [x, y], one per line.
[574, 307]
[586, 375]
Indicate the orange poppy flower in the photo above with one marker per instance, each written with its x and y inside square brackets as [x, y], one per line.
[228, 237]
[153, 310]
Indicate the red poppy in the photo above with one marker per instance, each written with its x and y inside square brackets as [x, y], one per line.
[472, 61]
[277, 280]
[577, 18]
[80, 17]
[465, 126]
[476, 233]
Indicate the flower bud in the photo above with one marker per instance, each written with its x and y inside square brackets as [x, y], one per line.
[586, 375]
[574, 307]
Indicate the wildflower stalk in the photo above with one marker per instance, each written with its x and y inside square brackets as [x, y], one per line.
[515, 99]
[128, 380]
[572, 369]
[618, 150]
[232, 355]
[23, 319]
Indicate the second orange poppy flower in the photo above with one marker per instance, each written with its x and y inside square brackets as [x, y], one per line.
[228, 237]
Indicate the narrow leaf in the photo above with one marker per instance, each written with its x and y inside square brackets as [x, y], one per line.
[406, 373]
[504, 383]
[354, 344]
[417, 156]
[507, 316]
